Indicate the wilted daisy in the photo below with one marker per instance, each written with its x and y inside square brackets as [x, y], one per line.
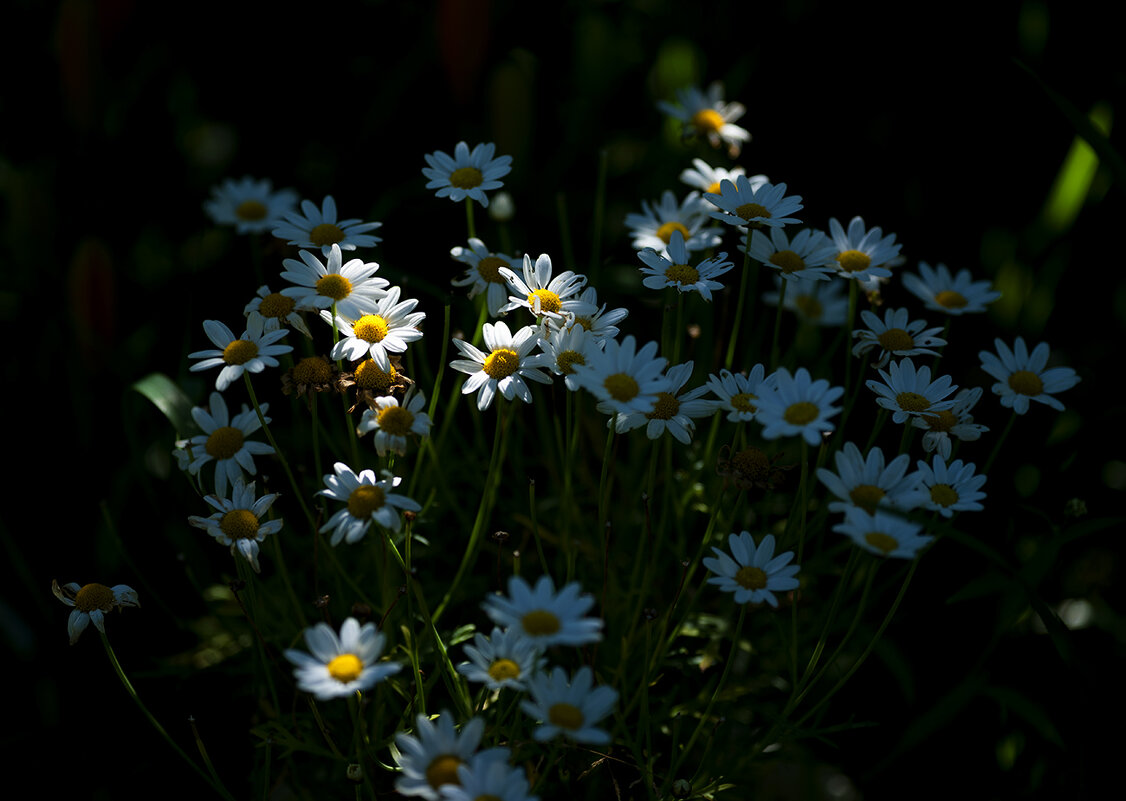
[754, 574]
[654, 227]
[862, 254]
[673, 412]
[950, 488]
[809, 256]
[353, 287]
[565, 348]
[503, 659]
[378, 332]
[600, 324]
[238, 521]
[543, 295]
[956, 422]
[908, 392]
[707, 178]
[368, 498]
[320, 228]
[337, 667]
[249, 205]
[571, 708]
[466, 174]
[393, 421]
[736, 392]
[755, 205]
[821, 303]
[797, 405]
[869, 482]
[431, 756]
[483, 274]
[708, 116]
[883, 533]
[253, 352]
[954, 295]
[676, 272]
[623, 378]
[1022, 377]
[486, 777]
[91, 602]
[224, 441]
[895, 335]
[544, 616]
[276, 309]
[505, 365]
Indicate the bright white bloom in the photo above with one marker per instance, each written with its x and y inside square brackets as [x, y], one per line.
[503, 659]
[809, 256]
[757, 206]
[392, 422]
[483, 274]
[954, 295]
[431, 756]
[275, 308]
[487, 777]
[950, 488]
[673, 413]
[653, 228]
[754, 574]
[676, 272]
[238, 523]
[1023, 377]
[251, 206]
[337, 667]
[624, 379]
[954, 422]
[896, 335]
[707, 178]
[544, 616]
[707, 115]
[224, 440]
[737, 392]
[566, 347]
[91, 602]
[601, 324]
[870, 483]
[319, 228]
[883, 533]
[386, 329]
[368, 499]
[797, 405]
[862, 254]
[504, 367]
[822, 303]
[353, 287]
[571, 708]
[253, 352]
[467, 174]
[541, 294]
[908, 392]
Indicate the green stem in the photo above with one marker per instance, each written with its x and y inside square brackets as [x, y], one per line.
[775, 347]
[469, 226]
[278, 452]
[1000, 441]
[744, 281]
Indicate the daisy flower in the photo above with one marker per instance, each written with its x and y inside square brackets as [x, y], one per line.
[797, 405]
[224, 440]
[754, 574]
[392, 422]
[319, 228]
[954, 422]
[896, 335]
[483, 274]
[543, 616]
[673, 413]
[467, 174]
[386, 329]
[653, 228]
[275, 308]
[953, 295]
[91, 602]
[869, 482]
[707, 178]
[368, 499]
[808, 256]
[756, 206]
[1022, 377]
[707, 115]
[623, 378]
[571, 708]
[908, 392]
[251, 206]
[503, 659]
[820, 303]
[353, 287]
[950, 488]
[337, 667]
[862, 254]
[883, 533]
[253, 352]
[431, 756]
[565, 348]
[488, 778]
[736, 392]
[504, 367]
[541, 294]
[237, 523]
[600, 324]
[676, 272]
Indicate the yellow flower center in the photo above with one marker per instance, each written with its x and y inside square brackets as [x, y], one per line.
[94, 596]
[334, 286]
[549, 301]
[682, 274]
[666, 408]
[809, 306]
[665, 232]
[944, 495]
[951, 299]
[742, 402]
[489, 269]
[276, 305]
[345, 668]
[395, 420]
[370, 328]
[621, 386]
[801, 413]
[853, 261]
[941, 421]
[716, 188]
[567, 360]
[224, 442]
[881, 541]
[239, 524]
[370, 376]
[896, 339]
[707, 120]
[1024, 382]
[752, 578]
[540, 622]
[312, 370]
[364, 500]
[752, 211]
[240, 351]
[752, 464]
[867, 496]
[565, 716]
[251, 210]
[466, 177]
[503, 669]
[326, 234]
[912, 402]
[585, 322]
[787, 261]
[443, 769]
[501, 363]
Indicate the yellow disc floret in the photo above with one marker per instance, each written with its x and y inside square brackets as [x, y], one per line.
[1025, 382]
[809, 306]
[466, 177]
[665, 231]
[567, 360]
[371, 376]
[345, 668]
[801, 413]
[251, 210]
[326, 234]
[707, 120]
[896, 339]
[866, 496]
[334, 286]
[240, 351]
[239, 524]
[395, 420]
[951, 299]
[751, 578]
[682, 274]
[853, 261]
[94, 596]
[941, 421]
[540, 622]
[489, 269]
[944, 495]
[224, 442]
[752, 211]
[548, 301]
[503, 669]
[443, 770]
[741, 402]
[364, 500]
[501, 363]
[312, 370]
[565, 716]
[787, 261]
[371, 328]
[881, 541]
[276, 305]
[912, 402]
[666, 408]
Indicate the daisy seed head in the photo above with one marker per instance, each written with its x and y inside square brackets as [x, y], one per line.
[369, 376]
[312, 370]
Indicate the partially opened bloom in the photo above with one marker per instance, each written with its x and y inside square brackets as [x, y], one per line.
[736, 392]
[654, 226]
[486, 777]
[675, 271]
[809, 256]
[483, 274]
[883, 533]
[544, 616]
[755, 205]
[950, 488]
[623, 378]
[908, 392]
[600, 324]
[796, 405]
[504, 367]
[320, 228]
[238, 522]
[708, 116]
[430, 758]
[895, 335]
[1023, 377]
[249, 205]
[506, 658]
[870, 482]
[224, 441]
[336, 667]
[275, 309]
[571, 708]
[368, 499]
[91, 602]
[673, 412]
[466, 174]
[393, 421]
[753, 573]
[955, 422]
[862, 254]
[950, 294]
[252, 352]
[386, 329]
[542, 294]
[352, 286]
[706, 178]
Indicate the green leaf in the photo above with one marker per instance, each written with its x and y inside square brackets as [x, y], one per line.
[170, 399]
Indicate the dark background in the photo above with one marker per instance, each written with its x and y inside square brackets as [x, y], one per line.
[120, 116]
